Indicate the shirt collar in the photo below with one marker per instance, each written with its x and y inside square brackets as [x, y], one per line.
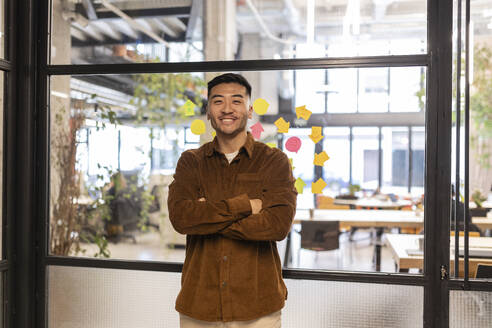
[248, 146]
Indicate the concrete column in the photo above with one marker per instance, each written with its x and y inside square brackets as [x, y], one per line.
[220, 29]
[59, 94]
[220, 41]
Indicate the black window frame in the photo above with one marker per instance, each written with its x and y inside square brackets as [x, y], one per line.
[26, 186]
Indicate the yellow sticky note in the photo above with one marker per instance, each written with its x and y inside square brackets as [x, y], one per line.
[197, 127]
[214, 133]
[271, 144]
[316, 134]
[188, 108]
[318, 186]
[291, 160]
[260, 106]
[321, 158]
[299, 184]
[282, 125]
[303, 113]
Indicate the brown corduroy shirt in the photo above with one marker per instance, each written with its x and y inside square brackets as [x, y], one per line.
[232, 270]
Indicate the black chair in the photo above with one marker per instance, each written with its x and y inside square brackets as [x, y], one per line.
[319, 236]
[126, 210]
[484, 271]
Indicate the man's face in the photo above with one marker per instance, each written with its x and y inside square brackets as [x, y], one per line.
[229, 109]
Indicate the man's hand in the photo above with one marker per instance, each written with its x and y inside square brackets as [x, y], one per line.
[201, 199]
[256, 205]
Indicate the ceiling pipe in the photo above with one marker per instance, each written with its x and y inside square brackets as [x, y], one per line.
[263, 25]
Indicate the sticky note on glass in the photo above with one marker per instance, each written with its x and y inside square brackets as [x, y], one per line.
[260, 106]
[188, 108]
[271, 144]
[321, 158]
[303, 113]
[291, 160]
[214, 133]
[197, 127]
[256, 130]
[282, 125]
[299, 184]
[318, 186]
[316, 134]
[293, 144]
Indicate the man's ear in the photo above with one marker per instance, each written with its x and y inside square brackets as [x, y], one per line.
[250, 111]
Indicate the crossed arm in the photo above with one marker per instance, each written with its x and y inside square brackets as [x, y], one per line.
[269, 218]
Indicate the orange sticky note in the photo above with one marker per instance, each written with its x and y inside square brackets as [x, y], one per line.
[318, 186]
[282, 125]
[303, 113]
[321, 158]
[316, 134]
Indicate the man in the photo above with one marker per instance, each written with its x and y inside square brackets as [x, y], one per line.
[233, 198]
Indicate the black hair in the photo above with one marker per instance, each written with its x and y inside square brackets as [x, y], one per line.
[229, 78]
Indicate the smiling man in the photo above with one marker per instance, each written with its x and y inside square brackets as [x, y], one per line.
[233, 198]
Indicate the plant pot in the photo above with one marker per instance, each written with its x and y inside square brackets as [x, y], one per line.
[479, 211]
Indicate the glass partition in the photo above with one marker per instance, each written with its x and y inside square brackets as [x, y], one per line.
[95, 298]
[479, 142]
[88, 32]
[128, 131]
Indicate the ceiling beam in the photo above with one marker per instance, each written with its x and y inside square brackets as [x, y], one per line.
[89, 9]
[196, 11]
[137, 13]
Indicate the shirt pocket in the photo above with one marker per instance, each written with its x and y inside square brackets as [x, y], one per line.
[249, 183]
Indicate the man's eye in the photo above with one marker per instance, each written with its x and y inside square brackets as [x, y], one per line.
[217, 102]
[237, 101]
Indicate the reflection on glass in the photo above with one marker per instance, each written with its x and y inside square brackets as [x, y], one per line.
[110, 32]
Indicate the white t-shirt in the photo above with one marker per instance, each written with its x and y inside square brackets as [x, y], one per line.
[231, 156]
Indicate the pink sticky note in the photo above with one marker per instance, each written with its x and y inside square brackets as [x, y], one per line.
[293, 144]
[256, 130]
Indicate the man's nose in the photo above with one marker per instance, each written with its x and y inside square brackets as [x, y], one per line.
[227, 108]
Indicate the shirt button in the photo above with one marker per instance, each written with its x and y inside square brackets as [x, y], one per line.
[224, 284]
[224, 258]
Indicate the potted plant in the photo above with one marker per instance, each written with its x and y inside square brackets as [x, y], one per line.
[478, 198]
[352, 189]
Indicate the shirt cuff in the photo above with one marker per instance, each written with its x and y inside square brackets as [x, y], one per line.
[240, 206]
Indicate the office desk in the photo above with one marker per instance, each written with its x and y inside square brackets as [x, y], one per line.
[373, 203]
[366, 218]
[378, 219]
[482, 222]
[399, 244]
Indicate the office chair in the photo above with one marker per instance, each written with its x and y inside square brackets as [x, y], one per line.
[484, 271]
[319, 236]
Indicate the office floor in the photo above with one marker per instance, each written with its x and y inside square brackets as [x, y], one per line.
[354, 256]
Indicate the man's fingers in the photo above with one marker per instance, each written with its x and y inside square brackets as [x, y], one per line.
[201, 199]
